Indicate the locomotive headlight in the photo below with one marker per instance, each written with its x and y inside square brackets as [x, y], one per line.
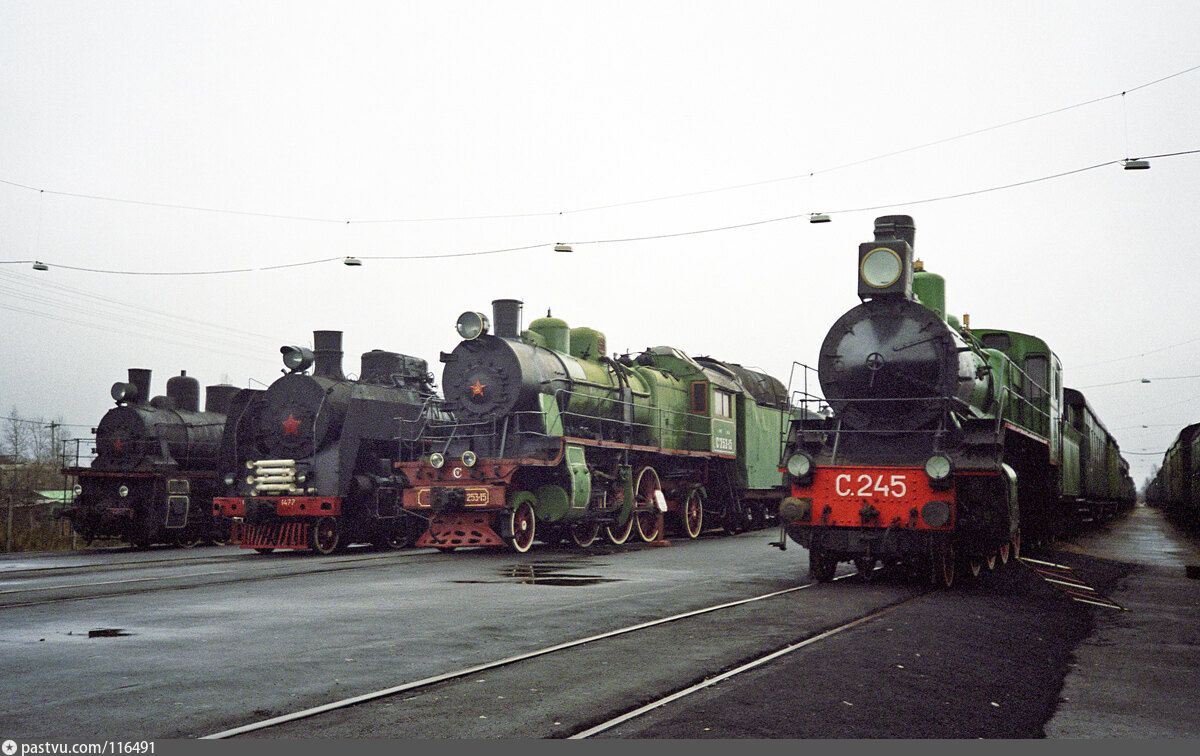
[123, 392]
[937, 468]
[296, 358]
[881, 267]
[469, 459]
[471, 325]
[436, 460]
[78, 489]
[936, 514]
[123, 491]
[230, 478]
[800, 466]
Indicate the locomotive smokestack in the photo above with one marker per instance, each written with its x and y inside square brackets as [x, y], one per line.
[218, 397]
[506, 313]
[327, 355]
[140, 378]
[896, 227]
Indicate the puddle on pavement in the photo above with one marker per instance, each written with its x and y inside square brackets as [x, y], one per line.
[543, 573]
[108, 632]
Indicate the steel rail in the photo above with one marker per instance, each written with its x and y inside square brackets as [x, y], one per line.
[428, 681]
[608, 725]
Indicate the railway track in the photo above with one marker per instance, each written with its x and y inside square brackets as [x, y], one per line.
[526, 682]
[49, 583]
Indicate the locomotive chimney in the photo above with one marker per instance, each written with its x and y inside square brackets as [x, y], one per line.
[140, 379]
[327, 355]
[506, 314]
[184, 392]
[218, 397]
[896, 227]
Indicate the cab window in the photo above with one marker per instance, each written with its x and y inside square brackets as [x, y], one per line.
[1037, 376]
[722, 404]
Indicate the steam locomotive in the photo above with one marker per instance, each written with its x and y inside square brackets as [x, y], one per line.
[551, 439]
[947, 447]
[154, 474]
[308, 463]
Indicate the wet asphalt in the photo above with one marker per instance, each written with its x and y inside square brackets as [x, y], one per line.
[1009, 655]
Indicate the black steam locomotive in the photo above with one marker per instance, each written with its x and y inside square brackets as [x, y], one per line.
[948, 446]
[308, 463]
[154, 474]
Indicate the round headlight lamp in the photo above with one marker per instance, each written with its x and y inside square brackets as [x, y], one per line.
[799, 465]
[469, 458]
[936, 514]
[296, 358]
[471, 325]
[436, 460]
[881, 267]
[230, 479]
[937, 468]
[78, 489]
[123, 392]
[123, 491]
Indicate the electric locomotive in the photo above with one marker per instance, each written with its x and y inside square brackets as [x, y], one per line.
[551, 439]
[308, 463]
[154, 474]
[947, 445]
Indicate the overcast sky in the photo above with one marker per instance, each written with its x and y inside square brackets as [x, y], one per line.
[140, 138]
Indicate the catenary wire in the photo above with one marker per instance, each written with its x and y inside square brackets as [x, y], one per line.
[620, 240]
[628, 203]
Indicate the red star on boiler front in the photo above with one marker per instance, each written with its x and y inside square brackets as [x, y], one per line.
[291, 426]
[477, 388]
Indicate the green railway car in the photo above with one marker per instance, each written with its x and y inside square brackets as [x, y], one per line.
[1176, 487]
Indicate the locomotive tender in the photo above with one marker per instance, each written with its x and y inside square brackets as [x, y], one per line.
[154, 474]
[947, 446]
[308, 462]
[552, 439]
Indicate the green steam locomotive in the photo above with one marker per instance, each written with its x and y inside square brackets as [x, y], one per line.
[551, 439]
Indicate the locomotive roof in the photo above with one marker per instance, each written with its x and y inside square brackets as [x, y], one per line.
[765, 389]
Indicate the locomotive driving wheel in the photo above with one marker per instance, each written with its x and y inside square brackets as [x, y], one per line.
[584, 534]
[943, 565]
[188, 541]
[324, 535]
[692, 517]
[976, 565]
[821, 565]
[865, 567]
[523, 524]
[645, 499]
[618, 533]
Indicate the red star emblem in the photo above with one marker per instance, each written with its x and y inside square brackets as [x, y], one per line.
[119, 445]
[291, 426]
[477, 388]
